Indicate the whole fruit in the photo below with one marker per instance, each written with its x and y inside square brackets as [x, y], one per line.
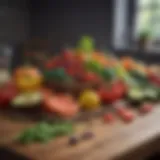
[89, 100]
[27, 78]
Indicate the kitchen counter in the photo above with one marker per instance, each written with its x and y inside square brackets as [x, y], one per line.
[118, 141]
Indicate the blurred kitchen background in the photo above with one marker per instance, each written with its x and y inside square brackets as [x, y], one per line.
[125, 27]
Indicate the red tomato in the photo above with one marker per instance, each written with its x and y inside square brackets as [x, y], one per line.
[115, 91]
[7, 93]
[108, 118]
[107, 96]
[119, 88]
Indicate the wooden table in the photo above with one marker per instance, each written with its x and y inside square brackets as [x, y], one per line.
[115, 141]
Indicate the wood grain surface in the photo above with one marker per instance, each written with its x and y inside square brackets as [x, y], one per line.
[111, 141]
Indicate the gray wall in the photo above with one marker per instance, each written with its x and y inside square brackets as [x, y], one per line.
[63, 22]
[14, 27]
[14, 21]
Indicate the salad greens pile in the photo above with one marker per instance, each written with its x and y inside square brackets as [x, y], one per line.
[45, 131]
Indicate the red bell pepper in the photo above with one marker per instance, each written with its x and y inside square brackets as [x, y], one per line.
[113, 92]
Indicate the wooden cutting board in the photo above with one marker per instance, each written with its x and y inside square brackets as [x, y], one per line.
[122, 141]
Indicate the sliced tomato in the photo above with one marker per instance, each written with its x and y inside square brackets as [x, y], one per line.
[61, 105]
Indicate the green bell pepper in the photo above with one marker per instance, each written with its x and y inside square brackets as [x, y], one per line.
[108, 73]
[57, 74]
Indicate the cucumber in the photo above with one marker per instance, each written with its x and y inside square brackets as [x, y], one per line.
[151, 94]
[136, 96]
[26, 100]
[18, 101]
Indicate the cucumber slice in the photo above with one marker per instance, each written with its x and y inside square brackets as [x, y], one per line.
[135, 96]
[151, 94]
[35, 98]
[27, 100]
[19, 100]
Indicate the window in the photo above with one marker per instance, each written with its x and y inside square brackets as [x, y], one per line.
[148, 18]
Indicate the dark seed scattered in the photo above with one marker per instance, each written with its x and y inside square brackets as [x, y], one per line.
[73, 140]
[87, 135]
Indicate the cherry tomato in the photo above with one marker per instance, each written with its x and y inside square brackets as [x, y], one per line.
[127, 115]
[146, 108]
[62, 105]
[120, 110]
[108, 118]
